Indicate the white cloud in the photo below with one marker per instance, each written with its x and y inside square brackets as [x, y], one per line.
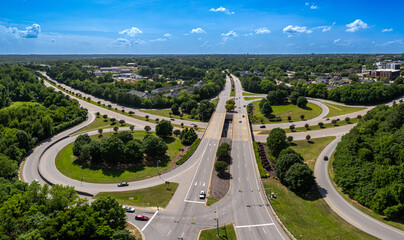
[123, 41]
[337, 40]
[248, 34]
[387, 30]
[356, 25]
[221, 9]
[392, 42]
[290, 30]
[133, 31]
[230, 33]
[29, 32]
[158, 40]
[198, 30]
[307, 4]
[262, 30]
[167, 35]
[313, 7]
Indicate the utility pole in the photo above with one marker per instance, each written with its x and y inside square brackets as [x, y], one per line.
[81, 170]
[217, 222]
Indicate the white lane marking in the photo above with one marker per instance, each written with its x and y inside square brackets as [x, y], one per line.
[194, 201]
[182, 234]
[168, 233]
[262, 230]
[200, 160]
[196, 183]
[151, 219]
[204, 184]
[256, 225]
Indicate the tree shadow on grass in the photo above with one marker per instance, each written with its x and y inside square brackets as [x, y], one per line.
[306, 108]
[315, 193]
[169, 140]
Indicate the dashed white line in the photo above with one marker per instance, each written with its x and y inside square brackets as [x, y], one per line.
[168, 233]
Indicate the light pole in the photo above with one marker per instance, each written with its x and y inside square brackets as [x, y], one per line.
[81, 170]
[217, 222]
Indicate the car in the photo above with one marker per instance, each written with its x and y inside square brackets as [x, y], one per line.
[123, 184]
[192, 124]
[243, 116]
[129, 209]
[327, 119]
[141, 218]
[239, 121]
[292, 125]
[244, 106]
[202, 195]
[325, 158]
[338, 119]
[37, 181]
[172, 119]
[262, 126]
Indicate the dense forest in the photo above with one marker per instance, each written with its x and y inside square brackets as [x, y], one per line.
[369, 161]
[29, 113]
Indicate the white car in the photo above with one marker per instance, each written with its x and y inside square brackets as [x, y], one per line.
[202, 195]
[129, 209]
[37, 181]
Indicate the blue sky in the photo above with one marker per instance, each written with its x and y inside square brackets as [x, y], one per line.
[192, 27]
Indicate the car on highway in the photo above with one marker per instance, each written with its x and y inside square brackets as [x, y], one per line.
[327, 119]
[202, 195]
[123, 184]
[129, 209]
[262, 126]
[239, 121]
[243, 116]
[141, 218]
[325, 158]
[172, 119]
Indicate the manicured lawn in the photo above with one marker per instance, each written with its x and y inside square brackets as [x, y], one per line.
[135, 232]
[232, 94]
[311, 150]
[310, 218]
[101, 123]
[211, 201]
[358, 205]
[215, 101]
[337, 110]
[252, 98]
[291, 110]
[253, 94]
[148, 197]
[227, 232]
[327, 124]
[166, 113]
[65, 163]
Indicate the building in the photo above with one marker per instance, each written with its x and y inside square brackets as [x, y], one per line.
[126, 71]
[109, 69]
[144, 94]
[385, 73]
[131, 64]
[166, 89]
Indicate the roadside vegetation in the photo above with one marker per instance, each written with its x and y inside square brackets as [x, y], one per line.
[159, 195]
[103, 122]
[338, 110]
[227, 232]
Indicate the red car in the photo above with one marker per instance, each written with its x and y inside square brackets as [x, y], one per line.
[141, 217]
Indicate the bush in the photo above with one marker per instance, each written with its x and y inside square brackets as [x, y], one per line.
[299, 178]
[284, 163]
[190, 152]
[221, 166]
[257, 158]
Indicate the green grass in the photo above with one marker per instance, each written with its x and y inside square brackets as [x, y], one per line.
[215, 101]
[166, 113]
[310, 217]
[311, 150]
[252, 98]
[314, 127]
[338, 110]
[257, 158]
[232, 94]
[227, 232]
[211, 201]
[101, 123]
[253, 94]
[65, 163]
[358, 205]
[148, 197]
[190, 151]
[291, 110]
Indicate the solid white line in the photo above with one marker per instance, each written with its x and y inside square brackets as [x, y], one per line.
[262, 230]
[257, 225]
[151, 219]
[196, 183]
[168, 233]
[194, 201]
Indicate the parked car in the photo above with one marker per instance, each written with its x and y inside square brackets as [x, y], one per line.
[202, 195]
[327, 119]
[129, 209]
[141, 218]
[123, 184]
[262, 126]
[325, 158]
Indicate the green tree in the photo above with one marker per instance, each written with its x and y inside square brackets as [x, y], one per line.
[175, 109]
[308, 137]
[116, 129]
[125, 136]
[223, 151]
[132, 128]
[221, 166]
[100, 131]
[276, 141]
[321, 124]
[293, 97]
[154, 146]
[302, 102]
[206, 110]
[133, 151]
[188, 136]
[284, 163]
[353, 77]
[164, 128]
[111, 211]
[299, 178]
[112, 149]
[177, 132]
[80, 141]
[147, 129]
[122, 235]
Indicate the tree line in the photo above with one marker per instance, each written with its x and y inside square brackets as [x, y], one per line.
[369, 161]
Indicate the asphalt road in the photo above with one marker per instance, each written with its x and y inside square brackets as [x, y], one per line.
[345, 209]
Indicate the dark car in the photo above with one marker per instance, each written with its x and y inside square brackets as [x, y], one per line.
[262, 126]
[325, 158]
[141, 217]
[123, 184]
[172, 119]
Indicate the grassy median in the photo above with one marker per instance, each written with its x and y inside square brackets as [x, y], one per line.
[159, 195]
[227, 232]
[338, 110]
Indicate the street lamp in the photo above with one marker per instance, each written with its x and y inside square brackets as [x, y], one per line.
[81, 170]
